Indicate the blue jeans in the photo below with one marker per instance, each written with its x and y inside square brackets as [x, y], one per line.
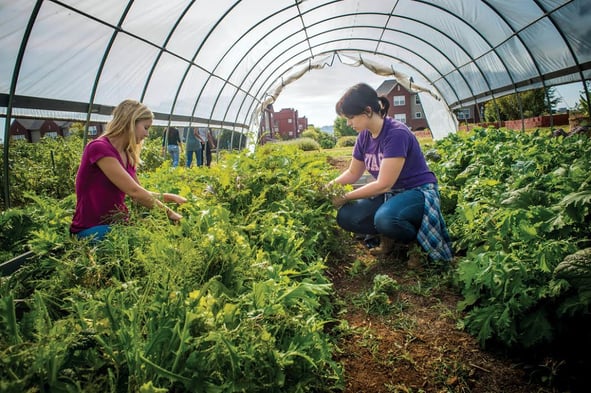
[198, 153]
[398, 218]
[97, 232]
[174, 152]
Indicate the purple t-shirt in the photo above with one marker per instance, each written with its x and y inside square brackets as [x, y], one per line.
[98, 201]
[395, 140]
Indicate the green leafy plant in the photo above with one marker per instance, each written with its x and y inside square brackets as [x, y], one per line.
[521, 206]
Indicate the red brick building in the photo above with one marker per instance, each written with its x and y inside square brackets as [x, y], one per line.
[32, 130]
[471, 114]
[285, 124]
[404, 105]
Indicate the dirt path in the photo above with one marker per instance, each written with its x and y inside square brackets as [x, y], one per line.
[414, 345]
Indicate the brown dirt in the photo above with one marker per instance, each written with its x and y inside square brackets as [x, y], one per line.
[416, 346]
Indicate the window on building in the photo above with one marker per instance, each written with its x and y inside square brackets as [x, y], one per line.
[417, 99]
[290, 121]
[463, 114]
[399, 100]
[51, 134]
[18, 137]
[92, 130]
[418, 115]
[400, 117]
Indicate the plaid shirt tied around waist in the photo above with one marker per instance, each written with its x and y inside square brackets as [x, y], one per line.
[432, 235]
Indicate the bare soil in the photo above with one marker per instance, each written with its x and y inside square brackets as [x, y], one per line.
[416, 344]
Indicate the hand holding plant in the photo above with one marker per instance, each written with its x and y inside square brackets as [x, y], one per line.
[336, 193]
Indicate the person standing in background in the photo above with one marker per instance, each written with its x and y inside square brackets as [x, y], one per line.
[193, 146]
[171, 141]
[209, 146]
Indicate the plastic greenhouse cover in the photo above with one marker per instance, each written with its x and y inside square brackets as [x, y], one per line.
[219, 63]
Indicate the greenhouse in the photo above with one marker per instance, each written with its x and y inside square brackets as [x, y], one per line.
[249, 291]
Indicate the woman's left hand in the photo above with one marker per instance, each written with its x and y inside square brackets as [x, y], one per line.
[339, 201]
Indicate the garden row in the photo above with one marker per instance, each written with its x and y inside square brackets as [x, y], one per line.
[232, 299]
[236, 298]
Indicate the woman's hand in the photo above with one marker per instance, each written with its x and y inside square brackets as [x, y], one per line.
[173, 198]
[172, 215]
[337, 193]
[339, 200]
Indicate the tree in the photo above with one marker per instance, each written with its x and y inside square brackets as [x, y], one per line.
[342, 129]
[583, 104]
[325, 140]
[533, 102]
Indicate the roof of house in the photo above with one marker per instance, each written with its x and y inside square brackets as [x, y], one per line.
[386, 87]
[30, 124]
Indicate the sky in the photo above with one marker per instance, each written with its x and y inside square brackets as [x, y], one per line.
[315, 94]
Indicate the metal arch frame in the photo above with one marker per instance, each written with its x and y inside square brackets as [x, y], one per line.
[568, 45]
[515, 33]
[101, 67]
[182, 81]
[473, 59]
[404, 62]
[160, 48]
[155, 63]
[381, 14]
[361, 39]
[12, 91]
[254, 26]
[436, 69]
[164, 45]
[457, 67]
[271, 75]
[532, 58]
[386, 26]
[299, 15]
[336, 51]
[346, 15]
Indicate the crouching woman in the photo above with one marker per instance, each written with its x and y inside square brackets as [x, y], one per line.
[402, 202]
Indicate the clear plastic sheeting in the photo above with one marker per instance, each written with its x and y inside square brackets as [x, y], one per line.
[441, 120]
[219, 62]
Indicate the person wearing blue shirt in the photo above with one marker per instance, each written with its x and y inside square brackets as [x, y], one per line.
[194, 147]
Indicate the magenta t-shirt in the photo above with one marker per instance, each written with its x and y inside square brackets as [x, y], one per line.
[98, 201]
[395, 140]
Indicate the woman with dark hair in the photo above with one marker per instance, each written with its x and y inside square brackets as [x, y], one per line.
[171, 142]
[402, 202]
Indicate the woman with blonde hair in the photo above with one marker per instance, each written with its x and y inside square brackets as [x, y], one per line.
[107, 173]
